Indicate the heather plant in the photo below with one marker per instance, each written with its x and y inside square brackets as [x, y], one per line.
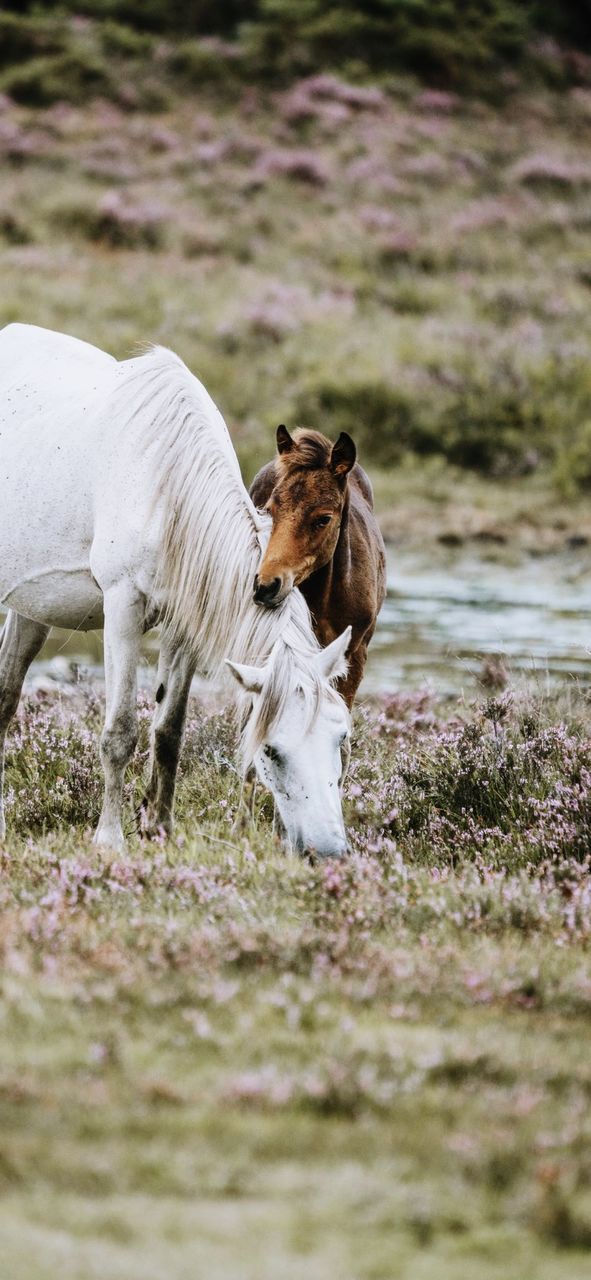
[205, 1021]
[507, 786]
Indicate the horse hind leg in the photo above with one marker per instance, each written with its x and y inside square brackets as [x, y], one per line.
[20, 642]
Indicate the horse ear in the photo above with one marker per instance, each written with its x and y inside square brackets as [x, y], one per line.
[284, 440]
[343, 455]
[331, 661]
[251, 678]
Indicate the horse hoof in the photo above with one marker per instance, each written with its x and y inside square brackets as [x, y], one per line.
[110, 838]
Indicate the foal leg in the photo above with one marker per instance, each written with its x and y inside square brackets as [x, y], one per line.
[21, 642]
[124, 617]
[175, 672]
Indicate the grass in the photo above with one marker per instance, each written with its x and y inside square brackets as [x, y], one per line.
[217, 1060]
[407, 266]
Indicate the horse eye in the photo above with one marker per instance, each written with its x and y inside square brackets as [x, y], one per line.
[321, 522]
[273, 755]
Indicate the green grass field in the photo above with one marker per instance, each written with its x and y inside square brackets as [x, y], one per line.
[216, 1060]
[411, 267]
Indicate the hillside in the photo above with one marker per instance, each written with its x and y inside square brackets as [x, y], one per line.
[402, 262]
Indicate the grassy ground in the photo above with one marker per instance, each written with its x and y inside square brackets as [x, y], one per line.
[409, 266]
[218, 1061]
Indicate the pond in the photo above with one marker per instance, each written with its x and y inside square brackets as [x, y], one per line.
[441, 617]
[443, 612]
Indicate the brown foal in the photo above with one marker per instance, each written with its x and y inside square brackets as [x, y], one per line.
[325, 539]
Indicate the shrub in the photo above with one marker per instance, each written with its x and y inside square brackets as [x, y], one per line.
[47, 79]
[24, 38]
[506, 784]
[198, 17]
[210, 61]
[296, 165]
[384, 420]
[573, 467]
[128, 226]
[543, 170]
[12, 228]
[496, 419]
[54, 772]
[452, 42]
[114, 221]
[460, 42]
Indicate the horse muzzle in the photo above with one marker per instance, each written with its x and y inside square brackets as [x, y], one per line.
[335, 846]
[267, 593]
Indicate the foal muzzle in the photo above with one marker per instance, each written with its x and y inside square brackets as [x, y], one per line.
[267, 593]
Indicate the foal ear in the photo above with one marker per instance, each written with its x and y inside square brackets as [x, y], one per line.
[284, 440]
[331, 661]
[343, 455]
[251, 678]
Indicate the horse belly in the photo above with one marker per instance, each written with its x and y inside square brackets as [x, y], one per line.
[59, 598]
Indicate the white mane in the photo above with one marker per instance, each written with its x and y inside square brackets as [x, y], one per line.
[212, 544]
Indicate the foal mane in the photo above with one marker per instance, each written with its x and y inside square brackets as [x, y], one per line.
[311, 452]
[212, 542]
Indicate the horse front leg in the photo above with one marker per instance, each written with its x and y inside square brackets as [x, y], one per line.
[124, 619]
[175, 672]
[21, 642]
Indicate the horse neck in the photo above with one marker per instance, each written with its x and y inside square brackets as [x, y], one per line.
[212, 537]
[210, 600]
[209, 583]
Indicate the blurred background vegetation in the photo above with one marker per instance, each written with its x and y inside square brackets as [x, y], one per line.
[454, 40]
[366, 216]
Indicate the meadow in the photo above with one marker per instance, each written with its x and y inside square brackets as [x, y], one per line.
[400, 262]
[216, 1060]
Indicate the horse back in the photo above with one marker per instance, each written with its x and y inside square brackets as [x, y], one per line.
[263, 485]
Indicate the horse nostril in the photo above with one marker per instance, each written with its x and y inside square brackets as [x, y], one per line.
[266, 592]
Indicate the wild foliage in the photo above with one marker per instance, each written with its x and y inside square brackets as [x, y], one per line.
[350, 1062]
[456, 43]
[406, 266]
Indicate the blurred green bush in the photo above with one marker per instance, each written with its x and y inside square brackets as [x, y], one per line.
[499, 421]
[462, 43]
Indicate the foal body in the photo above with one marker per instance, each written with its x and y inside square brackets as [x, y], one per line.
[325, 539]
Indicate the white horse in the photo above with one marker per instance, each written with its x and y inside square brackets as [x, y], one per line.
[122, 505]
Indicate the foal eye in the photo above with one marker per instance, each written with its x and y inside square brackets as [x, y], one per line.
[321, 522]
[273, 755]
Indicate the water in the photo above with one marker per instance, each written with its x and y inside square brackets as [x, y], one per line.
[443, 612]
[441, 618]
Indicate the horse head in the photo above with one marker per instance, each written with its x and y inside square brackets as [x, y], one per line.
[296, 733]
[307, 504]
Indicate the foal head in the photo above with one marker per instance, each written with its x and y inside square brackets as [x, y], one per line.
[307, 505]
